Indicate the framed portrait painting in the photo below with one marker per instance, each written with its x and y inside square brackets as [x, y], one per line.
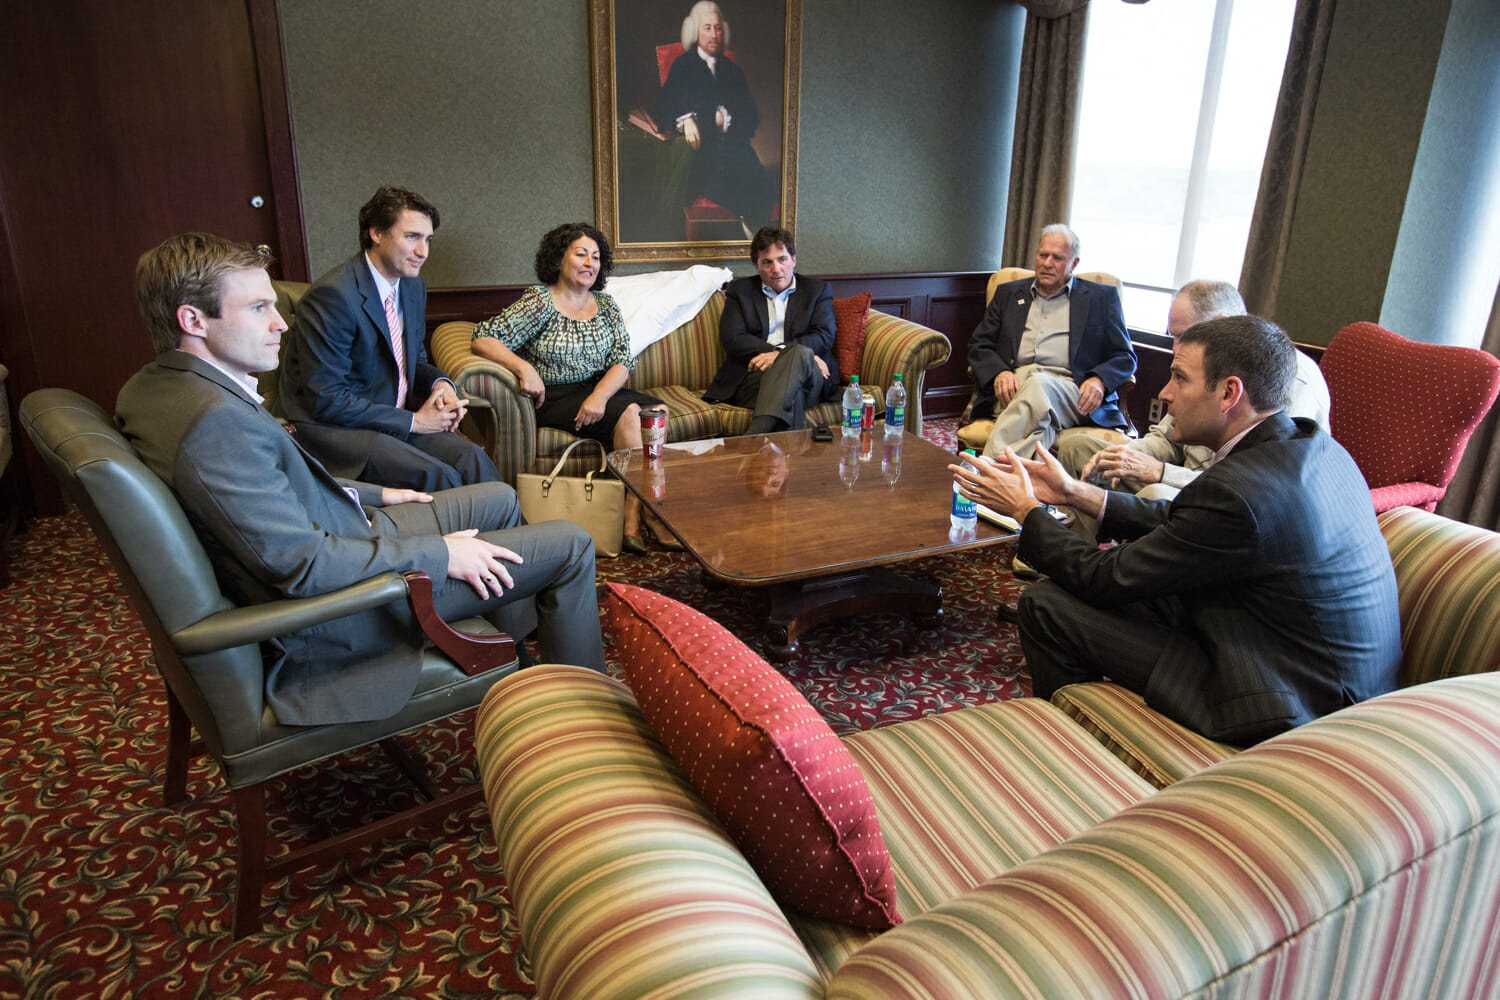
[695, 124]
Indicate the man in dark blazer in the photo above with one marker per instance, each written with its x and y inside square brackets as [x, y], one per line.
[365, 402]
[276, 524]
[1051, 352]
[1259, 598]
[777, 330]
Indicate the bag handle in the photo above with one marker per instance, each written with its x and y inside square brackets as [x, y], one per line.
[562, 460]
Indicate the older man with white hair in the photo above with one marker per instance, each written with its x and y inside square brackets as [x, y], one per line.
[707, 100]
[1051, 352]
[1158, 465]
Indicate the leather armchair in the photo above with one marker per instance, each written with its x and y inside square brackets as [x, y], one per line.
[207, 649]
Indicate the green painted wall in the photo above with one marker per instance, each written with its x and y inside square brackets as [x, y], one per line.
[484, 107]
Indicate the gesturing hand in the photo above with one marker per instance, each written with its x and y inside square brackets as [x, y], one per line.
[1001, 486]
[479, 563]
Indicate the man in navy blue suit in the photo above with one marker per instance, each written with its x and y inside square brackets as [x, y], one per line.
[1051, 352]
[1260, 598]
[355, 381]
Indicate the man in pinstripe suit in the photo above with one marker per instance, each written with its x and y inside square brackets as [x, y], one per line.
[1260, 598]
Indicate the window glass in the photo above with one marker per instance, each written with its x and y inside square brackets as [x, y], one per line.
[1149, 149]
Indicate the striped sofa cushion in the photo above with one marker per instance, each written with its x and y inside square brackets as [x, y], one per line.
[1448, 578]
[963, 796]
[1155, 747]
[624, 884]
[1355, 856]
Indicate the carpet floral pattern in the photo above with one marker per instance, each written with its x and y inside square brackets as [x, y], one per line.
[105, 892]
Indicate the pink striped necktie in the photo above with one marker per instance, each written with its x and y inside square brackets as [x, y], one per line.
[398, 346]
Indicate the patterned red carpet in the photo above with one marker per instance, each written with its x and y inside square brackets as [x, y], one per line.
[106, 893]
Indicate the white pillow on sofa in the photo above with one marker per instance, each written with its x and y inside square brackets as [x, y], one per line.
[656, 303]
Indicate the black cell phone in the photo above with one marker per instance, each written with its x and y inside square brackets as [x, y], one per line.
[820, 432]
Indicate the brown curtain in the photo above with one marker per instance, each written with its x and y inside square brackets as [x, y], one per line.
[1286, 151]
[1042, 155]
[1474, 494]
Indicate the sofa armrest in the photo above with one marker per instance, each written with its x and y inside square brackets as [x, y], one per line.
[624, 884]
[893, 344]
[508, 426]
[1333, 857]
[1448, 584]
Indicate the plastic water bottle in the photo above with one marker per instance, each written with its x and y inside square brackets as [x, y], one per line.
[895, 408]
[964, 517]
[854, 407]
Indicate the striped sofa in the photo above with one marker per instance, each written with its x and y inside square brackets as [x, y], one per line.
[676, 369]
[1356, 856]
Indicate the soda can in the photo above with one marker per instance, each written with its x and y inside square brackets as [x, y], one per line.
[867, 419]
[866, 445]
[654, 430]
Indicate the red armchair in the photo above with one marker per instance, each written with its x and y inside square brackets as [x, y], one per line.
[1405, 409]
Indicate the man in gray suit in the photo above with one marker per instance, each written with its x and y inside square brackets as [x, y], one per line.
[1261, 597]
[276, 524]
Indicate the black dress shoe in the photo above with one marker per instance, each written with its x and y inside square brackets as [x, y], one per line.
[1007, 613]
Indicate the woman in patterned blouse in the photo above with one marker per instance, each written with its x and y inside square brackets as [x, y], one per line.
[565, 342]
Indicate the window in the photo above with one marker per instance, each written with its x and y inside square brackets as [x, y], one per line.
[1178, 97]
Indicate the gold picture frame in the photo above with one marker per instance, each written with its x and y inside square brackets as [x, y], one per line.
[651, 188]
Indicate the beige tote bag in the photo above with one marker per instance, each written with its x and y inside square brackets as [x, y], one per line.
[596, 502]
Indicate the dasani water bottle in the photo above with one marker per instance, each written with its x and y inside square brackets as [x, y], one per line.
[964, 517]
[854, 407]
[895, 407]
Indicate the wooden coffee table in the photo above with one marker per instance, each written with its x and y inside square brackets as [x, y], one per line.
[772, 511]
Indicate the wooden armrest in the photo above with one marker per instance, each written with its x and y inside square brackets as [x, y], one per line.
[474, 653]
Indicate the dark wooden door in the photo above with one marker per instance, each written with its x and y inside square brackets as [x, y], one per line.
[122, 124]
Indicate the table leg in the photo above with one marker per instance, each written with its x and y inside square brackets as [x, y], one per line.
[797, 607]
